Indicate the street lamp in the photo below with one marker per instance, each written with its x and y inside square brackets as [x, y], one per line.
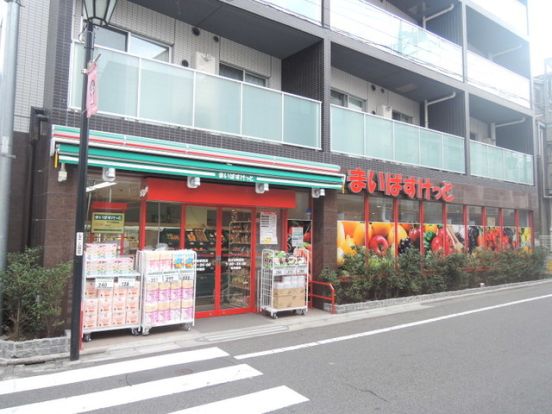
[96, 12]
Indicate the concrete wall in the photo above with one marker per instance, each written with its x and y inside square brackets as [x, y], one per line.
[31, 60]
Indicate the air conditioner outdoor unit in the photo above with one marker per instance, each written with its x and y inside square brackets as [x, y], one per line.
[204, 62]
[385, 110]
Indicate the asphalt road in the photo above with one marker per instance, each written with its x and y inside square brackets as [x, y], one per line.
[488, 353]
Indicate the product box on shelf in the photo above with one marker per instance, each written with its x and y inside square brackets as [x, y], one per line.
[290, 292]
[288, 301]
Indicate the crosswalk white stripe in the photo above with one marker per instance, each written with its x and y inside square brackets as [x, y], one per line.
[255, 403]
[139, 392]
[108, 370]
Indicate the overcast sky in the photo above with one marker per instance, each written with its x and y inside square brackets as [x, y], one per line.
[540, 25]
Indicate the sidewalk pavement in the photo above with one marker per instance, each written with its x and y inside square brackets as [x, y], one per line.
[111, 345]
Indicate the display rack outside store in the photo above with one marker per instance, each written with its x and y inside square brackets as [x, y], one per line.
[111, 292]
[168, 292]
[283, 282]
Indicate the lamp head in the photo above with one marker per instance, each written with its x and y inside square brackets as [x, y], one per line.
[98, 12]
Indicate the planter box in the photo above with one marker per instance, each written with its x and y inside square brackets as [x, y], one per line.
[45, 347]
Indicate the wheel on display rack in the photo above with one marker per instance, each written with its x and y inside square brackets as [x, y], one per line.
[187, 326]
[87, 337]
[274, 315]
[135, 331]
[145, 331]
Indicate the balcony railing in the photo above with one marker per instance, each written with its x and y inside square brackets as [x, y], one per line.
[361, 134]
[157, 92]
[498, 80]
[512, 13]
[499, 163]
[373, 25]
[309, 9]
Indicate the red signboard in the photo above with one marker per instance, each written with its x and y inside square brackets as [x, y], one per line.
[92, 90]
[395, 184]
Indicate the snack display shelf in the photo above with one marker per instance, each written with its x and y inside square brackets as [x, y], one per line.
[168, 290]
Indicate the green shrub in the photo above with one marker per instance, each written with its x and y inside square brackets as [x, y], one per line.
[33, 296]
[365, 276]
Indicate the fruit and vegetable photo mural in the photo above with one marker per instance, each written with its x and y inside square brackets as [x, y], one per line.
[383, 237]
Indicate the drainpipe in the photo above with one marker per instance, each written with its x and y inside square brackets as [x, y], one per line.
[433, 16]
[494, 126]
[10, 32]
[435, 101]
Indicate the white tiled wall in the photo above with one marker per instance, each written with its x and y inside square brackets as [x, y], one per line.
[31, 61]
[185, 44]
[345, 82]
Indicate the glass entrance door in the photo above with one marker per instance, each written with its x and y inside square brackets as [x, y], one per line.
[222, 238]
[236, 259]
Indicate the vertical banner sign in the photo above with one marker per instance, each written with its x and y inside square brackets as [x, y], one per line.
[80, 244]
[269, 227]
[92, 90]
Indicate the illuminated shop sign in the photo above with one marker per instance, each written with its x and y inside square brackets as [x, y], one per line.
[395, 184]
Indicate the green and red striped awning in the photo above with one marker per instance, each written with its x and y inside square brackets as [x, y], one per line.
[156, 156]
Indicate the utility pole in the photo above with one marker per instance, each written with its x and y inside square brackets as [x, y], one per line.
[8, 66]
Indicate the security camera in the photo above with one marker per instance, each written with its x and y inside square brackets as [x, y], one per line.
[194, 182]
[108, 174]
[318, 192]
[261, 188]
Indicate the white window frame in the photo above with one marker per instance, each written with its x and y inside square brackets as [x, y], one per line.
[347, 97]
[244, 72]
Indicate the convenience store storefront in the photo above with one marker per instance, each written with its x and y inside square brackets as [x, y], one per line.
[389, 213]
[223, 204]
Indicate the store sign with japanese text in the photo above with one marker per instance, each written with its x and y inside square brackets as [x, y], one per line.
[113, 223]
[394, 185]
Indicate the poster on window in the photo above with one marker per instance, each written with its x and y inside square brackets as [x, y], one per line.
[269, 228]
[509, 238]
[525, 238]
[457, 236]
[299, 235]
[350, 237]
[475, 238]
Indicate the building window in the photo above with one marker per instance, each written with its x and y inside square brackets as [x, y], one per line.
[131, 43]
[347, 101]
[399, 116]
[241, 75]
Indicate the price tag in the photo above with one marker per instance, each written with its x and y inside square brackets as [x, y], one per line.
[169, 278]
[127, 282]
[104, 283]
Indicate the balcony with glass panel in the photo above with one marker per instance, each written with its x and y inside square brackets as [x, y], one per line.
[149, 90]
[309, 9]
[372, 25]
[498, 80]
[360, 134]
[512, 13]
[499, 163]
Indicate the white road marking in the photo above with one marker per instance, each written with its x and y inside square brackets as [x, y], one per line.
[108, 370]
[135, 393]
[385, 330]
[255, 403]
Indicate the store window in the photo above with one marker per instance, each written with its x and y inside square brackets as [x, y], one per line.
[381, 224]
[492, 236]
[475, 228]
[509, 233]
[113, 214]
[241, 75]
[455, 227]
[350, 225]
[131, 43]
[525, 237]
[408, 229]
[162, 226]
[434, 232]
[347, 101]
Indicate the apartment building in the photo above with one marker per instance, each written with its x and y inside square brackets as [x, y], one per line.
[239, 125]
